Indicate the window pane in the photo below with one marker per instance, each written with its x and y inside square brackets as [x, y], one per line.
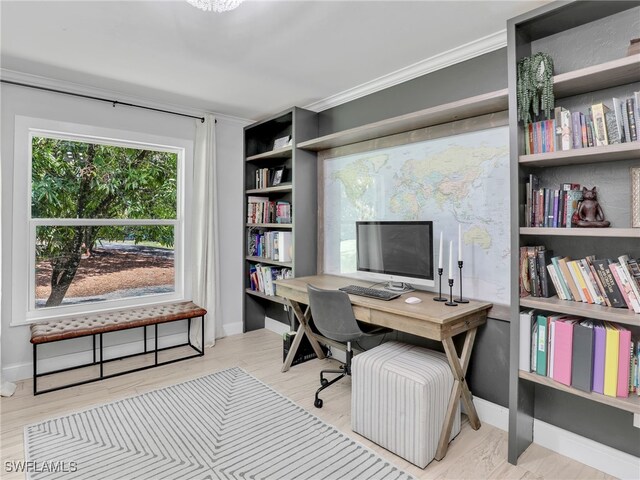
[85, 180]
[84, 264]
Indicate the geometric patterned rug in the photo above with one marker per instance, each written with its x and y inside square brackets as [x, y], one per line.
[227, 425]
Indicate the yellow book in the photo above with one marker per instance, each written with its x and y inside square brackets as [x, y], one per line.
[612, 350]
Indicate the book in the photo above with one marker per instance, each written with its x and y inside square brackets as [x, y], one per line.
[582, 358]
[576, 133]
[534, 343]
[541, 345]
[611, 359]
[624, 359]
[525, 340]
[551, 332]
[590, 283]
[544, 259]
[574, 270]
[563, 122]
[563, 349]
[625, 267]
[568, 278]
[583, 128]
[563, 284]
[574, 197]
[623, 285]
[599, 348]
[532, 257]
[618, 114]
[599, 121]
[551, 271]
[284, 246]
[525, 278]
[595, 278]
[613, 133]
[608, 282]
[630, 104]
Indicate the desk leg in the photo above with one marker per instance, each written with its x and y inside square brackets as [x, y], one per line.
[460, 389]
[303, 329]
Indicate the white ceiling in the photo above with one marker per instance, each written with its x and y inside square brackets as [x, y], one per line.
[252, 62]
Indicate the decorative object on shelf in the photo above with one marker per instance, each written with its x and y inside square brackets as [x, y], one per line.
[635, 197]
[215, 5]
[281, 142]
[534, 90]
[634, 47]
[589, 211]
[278, 174]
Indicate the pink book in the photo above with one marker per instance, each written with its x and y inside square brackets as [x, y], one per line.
[614, 272]
[562, 350]
[624, 362]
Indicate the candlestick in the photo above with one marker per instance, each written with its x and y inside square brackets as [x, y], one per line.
[451, 303]
[450, 259]
[440, 298]
[440, 255]
[459, 242]
[460, 300]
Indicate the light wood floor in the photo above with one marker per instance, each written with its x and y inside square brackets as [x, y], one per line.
[472, 454]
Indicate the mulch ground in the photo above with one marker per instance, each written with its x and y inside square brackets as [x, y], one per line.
[109, 271]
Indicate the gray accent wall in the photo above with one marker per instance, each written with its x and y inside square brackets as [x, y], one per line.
[489, 368]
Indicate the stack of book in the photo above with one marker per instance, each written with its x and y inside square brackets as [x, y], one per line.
[263, 210]
[586, 354]
[271, 245]
[596, 281]
[262, 277]
[266, 177]
[549, 207]
[603, 124]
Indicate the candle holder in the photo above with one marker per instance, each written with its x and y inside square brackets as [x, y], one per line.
[440, 298]
[451, 303]
[460, 300]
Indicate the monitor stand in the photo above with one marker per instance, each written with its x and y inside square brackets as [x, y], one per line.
[400, 287]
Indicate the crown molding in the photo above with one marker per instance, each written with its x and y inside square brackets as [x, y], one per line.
[82, 89]
[459, 54]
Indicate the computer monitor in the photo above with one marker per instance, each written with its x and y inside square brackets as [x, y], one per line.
[396, 251]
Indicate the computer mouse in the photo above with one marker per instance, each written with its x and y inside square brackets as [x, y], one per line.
[412, 300]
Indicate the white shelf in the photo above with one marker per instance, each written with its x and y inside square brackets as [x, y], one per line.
[581, 309]
[271, 298]
[582, 232]
[630, 404]
[285, 187]
[607, 153]
[285, 152]
[449, 112]
[269, 261]
[270, 225]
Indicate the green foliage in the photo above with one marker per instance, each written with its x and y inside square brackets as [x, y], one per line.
[534, 89]
[77, 180]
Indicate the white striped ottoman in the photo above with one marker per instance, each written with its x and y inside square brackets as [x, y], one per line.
[399, 398]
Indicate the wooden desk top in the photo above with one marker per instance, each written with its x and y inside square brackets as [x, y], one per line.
[428, 318]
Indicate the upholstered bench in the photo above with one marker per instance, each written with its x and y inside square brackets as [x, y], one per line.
[399, 398]
[96, 325]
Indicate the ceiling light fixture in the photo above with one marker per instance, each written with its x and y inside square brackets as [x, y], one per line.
[215, 5]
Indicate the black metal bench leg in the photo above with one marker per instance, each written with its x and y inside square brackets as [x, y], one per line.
[202, 344]
[35, 369]
[101, 358]
[156, 344]
[189, 332]
[145, 339]
[94, 348]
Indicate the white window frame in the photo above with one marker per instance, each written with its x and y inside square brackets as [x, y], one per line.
[24, 226]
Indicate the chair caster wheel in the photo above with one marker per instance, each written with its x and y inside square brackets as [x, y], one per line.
[324, 382]
[318, 403]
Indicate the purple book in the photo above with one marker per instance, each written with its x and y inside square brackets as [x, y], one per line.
[599, 345]
[576, 134]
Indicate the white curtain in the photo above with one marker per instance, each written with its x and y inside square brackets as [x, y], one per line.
[204, 231]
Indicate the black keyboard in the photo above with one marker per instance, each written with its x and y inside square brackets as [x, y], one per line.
[369, 292]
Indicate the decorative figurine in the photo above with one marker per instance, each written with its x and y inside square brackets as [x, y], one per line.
[589, 211]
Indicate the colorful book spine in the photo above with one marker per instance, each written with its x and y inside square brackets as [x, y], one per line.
[563, 350]
[611, 360]
[576, 134]
[624, 365]
[599, 348]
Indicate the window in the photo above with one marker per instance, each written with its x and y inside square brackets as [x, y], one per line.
[104, 220]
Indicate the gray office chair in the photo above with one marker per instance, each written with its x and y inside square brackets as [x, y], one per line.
[333, 317]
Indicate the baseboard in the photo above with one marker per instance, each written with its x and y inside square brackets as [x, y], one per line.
[229, 329]
[22, 371]
[275, 326]
[594, 454]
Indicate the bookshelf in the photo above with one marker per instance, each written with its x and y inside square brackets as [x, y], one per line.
[298, 188]
[574, 87]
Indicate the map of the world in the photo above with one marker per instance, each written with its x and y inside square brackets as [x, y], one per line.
[463, 179]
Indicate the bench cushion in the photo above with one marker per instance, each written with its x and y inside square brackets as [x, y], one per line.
[53, 330]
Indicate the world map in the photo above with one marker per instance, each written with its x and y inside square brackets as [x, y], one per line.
[462, 179]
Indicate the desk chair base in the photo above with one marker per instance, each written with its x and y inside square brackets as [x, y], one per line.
[343, 372]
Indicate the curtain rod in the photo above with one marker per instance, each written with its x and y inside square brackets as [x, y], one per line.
[100, 99]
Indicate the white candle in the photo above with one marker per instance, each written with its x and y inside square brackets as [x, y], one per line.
[451, 259]
[459, 242]
[440, 256]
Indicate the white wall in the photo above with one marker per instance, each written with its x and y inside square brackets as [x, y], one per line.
[16, 348]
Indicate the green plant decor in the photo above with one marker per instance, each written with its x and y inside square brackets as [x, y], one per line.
[535, 87]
